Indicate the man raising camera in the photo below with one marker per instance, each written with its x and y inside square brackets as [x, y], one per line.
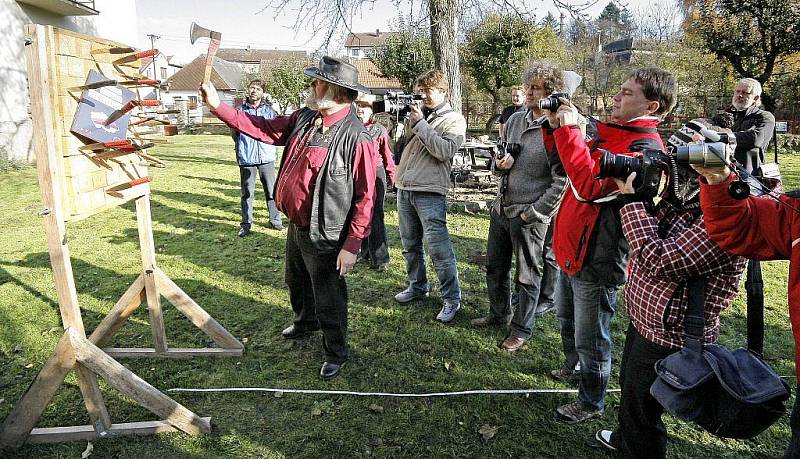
[432, 137]
[669, 247]
[531, 188]
[589, 245]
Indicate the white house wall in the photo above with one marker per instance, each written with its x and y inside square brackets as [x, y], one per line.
[116, 21]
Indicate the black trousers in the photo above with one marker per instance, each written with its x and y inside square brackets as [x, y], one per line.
[641, 433]
[375, 247]
[317, 293]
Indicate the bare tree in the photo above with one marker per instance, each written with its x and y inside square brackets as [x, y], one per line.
[334, 17]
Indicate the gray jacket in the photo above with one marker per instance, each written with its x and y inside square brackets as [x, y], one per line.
[535, 184]
[428, 150]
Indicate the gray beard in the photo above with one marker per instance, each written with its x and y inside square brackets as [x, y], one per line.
[739, 106]
[320, 103]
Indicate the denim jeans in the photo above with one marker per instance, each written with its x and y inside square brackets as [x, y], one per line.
[247, 174]
[585, 310]
[512, 238]
[423, 216]
[547, 292]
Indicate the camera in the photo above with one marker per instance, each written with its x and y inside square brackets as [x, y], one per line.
[705, 154]
[551, 102]
[506, 148]
[648, 167]
[396, 103]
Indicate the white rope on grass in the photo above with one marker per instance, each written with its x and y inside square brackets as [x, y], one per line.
[386, 394]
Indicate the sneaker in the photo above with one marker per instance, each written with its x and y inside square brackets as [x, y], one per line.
[277, 226]
[381, 267]
[575, 412]
[543, 308]
[408, 295]
[565, 375]
[244, 230]
[448, 312]
[603, 438]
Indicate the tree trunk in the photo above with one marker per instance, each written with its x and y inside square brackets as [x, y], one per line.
[494, 116]
[444, 44]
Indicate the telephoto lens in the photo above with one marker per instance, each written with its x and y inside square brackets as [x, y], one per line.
[619, 166]
[702, 154]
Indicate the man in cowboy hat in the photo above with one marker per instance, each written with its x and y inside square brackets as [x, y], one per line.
[325, 187]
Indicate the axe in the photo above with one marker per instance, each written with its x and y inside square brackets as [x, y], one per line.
[196, 32]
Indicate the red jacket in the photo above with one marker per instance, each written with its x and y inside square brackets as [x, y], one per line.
[579, 210]
[758, 228]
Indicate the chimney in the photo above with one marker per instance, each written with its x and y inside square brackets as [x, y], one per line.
[377, 32]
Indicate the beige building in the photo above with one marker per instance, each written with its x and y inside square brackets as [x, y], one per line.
[111, 19]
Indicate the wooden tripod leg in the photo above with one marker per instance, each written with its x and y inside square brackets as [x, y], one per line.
[29, 408]
[199, 317]
[127, 304]
[135, 387]
[145, 221]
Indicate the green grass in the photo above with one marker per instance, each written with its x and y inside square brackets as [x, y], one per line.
[395, 348]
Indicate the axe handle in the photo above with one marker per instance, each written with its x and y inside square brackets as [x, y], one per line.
[213, 46]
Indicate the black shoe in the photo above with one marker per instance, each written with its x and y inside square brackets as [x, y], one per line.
[244, 230]
[295, 331]
[543, 308]
[330, 370]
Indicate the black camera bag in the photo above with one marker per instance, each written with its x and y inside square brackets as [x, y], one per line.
[731, 394]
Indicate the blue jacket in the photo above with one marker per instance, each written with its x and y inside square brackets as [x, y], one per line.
[249, 151]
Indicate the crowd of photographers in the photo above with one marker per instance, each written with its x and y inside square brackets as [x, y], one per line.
[590, 188]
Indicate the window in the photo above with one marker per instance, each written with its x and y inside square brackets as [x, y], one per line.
[163, 73]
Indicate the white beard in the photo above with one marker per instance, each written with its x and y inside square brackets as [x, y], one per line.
[740, 105]
[320, 103]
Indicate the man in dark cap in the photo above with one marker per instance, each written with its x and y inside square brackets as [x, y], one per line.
[325, 187]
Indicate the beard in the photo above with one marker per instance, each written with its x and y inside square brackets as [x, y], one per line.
[320, 103]
[739, 105]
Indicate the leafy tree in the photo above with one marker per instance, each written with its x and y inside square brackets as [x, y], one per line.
[406, 55]
[753, 35]
[551, 22]
[286, 82]
[499, 47]
[614, 23]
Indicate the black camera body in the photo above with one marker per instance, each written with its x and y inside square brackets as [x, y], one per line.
[504, 149]
[648, 167]
[552, 101]
[396, 103]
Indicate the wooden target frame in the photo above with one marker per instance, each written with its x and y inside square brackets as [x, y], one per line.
[75, 185]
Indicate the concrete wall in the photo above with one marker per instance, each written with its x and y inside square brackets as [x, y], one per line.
[116, 21]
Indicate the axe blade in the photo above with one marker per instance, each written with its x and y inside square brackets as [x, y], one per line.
[197, 31]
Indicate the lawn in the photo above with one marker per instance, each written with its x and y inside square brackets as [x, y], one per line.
[395, 348]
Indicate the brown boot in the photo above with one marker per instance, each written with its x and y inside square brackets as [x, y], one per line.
[512, 343]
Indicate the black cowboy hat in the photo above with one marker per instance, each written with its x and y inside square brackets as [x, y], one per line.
[337, 72]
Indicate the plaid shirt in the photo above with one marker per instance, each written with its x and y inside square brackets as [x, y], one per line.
[665, 251]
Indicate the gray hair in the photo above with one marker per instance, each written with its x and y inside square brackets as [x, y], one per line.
[751, 84]
[547, 71]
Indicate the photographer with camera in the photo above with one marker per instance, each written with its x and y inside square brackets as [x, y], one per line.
[759, 228]
[752, 126]
[589, 245]
[532, 185]
[432, 136]
[668, 247]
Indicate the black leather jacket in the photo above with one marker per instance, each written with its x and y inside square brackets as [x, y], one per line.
[753, 129]
[333, 191]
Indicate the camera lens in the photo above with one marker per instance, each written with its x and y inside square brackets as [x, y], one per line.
[550, 103]
[619, 166]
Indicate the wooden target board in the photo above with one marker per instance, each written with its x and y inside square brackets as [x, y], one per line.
[91, 182]
[78, 180]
